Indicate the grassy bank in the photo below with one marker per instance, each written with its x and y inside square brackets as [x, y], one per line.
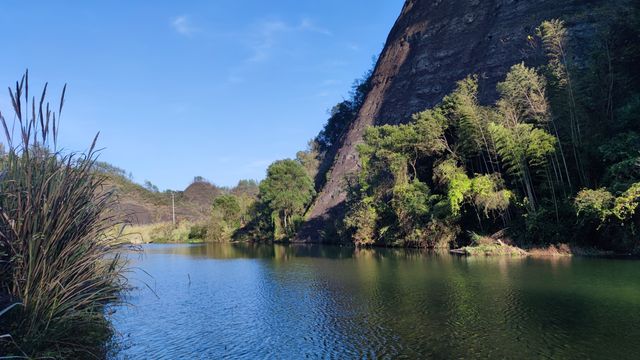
[491, 250]
[59, 266]
[499, 244]
[160, 233]
[559, 250]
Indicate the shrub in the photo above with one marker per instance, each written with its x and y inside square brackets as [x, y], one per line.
[594, 203]
[167, 233]
[198, 232]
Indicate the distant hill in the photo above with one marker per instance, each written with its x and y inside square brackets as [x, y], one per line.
[201, 193]
[145, 205]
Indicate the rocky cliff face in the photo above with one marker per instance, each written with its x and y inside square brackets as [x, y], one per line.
[434, 44]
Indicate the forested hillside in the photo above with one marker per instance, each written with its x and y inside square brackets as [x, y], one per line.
[555, 159]
[434, 45]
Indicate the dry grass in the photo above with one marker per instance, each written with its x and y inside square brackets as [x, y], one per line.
[499, 245]
[57, 259]
[159, 233]
[552, 250]
[566, 250]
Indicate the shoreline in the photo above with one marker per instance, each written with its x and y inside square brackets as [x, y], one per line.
[496, 250]
[553, 250]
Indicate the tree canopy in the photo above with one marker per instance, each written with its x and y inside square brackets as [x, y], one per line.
[286, 192]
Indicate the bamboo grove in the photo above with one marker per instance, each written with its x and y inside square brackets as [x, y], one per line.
[555, 159]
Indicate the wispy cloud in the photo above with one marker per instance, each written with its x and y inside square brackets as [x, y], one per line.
[353, 46]
[183, 25]
[309, 25]
[265, 39]
[267, 35]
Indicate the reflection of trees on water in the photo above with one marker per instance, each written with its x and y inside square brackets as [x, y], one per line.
[433, 305]
[424, 304]
[288, 252]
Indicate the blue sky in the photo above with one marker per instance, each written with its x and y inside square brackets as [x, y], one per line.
[217, 88]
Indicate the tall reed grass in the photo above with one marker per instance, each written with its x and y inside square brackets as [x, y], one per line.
[59, 264]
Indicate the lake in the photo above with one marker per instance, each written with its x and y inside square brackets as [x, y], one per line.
[295, 302]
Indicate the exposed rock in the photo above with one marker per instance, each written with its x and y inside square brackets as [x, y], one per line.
[432, 45]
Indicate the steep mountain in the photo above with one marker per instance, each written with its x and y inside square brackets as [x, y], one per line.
[434, 44]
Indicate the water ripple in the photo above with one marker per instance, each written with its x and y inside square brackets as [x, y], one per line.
[221, 301]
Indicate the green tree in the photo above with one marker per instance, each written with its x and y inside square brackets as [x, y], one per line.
[617, 217]
[361, 221]
[286, 191]
[519, 132]
[226, 218]
[229, 207]
[470, 122]
[554, 37]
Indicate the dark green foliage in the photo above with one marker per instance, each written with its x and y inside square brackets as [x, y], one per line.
[594, 204]
[286, 192]
[392, 202]
[343, 115]
[600, 212]
[225, 219]
[518, 164]
[198, 232]
[324, 147]
[259, 228]
[418, 181]
[229, 209]
[231, 212]
[621, 156]
[282, 201]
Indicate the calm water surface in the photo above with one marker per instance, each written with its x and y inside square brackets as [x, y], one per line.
[255, 302]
